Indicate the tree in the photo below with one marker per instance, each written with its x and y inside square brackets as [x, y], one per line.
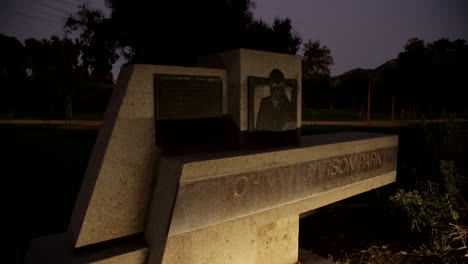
[278, 38]
[412, 66]
[178, 32]
[12, 73]
[97, 41]
[316, 61]
[51, 64]
[431, 76]
[448, 61]
[316, 64]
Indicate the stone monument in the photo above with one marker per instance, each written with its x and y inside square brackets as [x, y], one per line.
[148, 197]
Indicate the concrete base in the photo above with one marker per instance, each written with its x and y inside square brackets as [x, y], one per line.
[115, 192]
[260, 238]
[242, 241]
[269, 237]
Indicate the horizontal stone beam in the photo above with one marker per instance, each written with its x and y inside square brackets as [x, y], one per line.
[214, 190]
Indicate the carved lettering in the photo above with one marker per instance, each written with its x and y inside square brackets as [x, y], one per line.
[342, 168]
[367, 160]
[324, 171]
[361, 161]
[352, 161]
[240, 186]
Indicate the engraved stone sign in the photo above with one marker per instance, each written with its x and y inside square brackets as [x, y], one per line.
[272, 103]
[218, 199]
[181, 97]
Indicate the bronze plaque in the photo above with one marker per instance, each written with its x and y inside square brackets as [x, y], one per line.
[179, 97]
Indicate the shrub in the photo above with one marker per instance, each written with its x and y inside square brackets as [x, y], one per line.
[439, 215]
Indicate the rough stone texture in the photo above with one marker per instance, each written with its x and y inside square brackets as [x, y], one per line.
[324, 146]
[241, 64]
[113, 200]
[202, 203]
[200, 222]
[274, 232]
[214, 189]
[248, 240]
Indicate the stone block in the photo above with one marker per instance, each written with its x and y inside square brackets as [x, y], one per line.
[217, 191]
[113, 200]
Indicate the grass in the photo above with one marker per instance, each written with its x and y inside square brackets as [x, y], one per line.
[76, 116]
[313, 130]
[353, 115]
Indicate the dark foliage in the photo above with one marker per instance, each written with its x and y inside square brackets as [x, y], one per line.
[12, 73]
[177, 32]
[426, 78]
[316, 64]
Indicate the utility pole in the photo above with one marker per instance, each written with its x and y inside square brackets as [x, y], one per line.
[369, 100]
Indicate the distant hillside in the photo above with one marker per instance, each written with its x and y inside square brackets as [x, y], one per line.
[369, 74]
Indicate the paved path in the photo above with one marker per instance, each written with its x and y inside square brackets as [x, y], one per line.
[378, 123]
[74, 124]
[97, 123]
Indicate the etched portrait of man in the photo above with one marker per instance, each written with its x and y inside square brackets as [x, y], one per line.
[277, 112]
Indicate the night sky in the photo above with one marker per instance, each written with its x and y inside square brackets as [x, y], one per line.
[360, 33]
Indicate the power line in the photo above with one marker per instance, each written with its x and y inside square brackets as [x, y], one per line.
[67, 3]
[46, 13]
[35, 17]
[39, 8]
[53, 15]
[46, 5]
[55, 8]
[25, 8]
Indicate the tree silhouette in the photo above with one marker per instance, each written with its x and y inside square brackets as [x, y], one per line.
[412, 66]
[96, 42]
[426, 78]
[12, 74]
[316, 61]
[316, 64]
[276, 38]
[447, 71]
[177, 32]
[51, 64]
[432, 76]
